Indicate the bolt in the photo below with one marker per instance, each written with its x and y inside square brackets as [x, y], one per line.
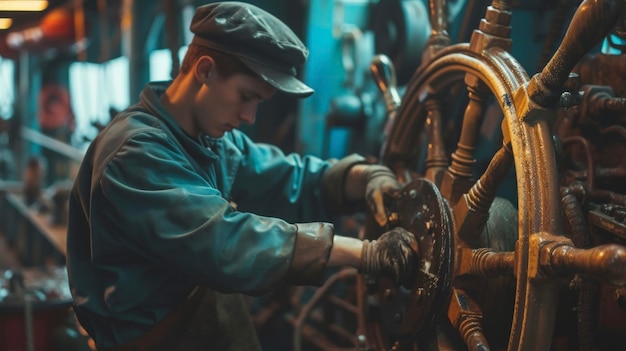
[393, 218]
[413, 194]
[429, 226]
[398, 317]
[620, 296]
[419, 294]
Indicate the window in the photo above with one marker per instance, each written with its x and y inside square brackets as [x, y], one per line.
[161, 63]
[94, 90]
[7, 87]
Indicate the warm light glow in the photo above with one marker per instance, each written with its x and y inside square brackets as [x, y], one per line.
[5, 23]
[17, 5]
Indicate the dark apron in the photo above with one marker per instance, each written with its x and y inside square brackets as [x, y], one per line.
[206, 321]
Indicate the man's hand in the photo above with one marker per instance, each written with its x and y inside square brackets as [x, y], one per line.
[380, 183]
[394, 255]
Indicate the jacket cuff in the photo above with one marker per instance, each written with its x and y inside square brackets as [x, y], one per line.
[333, 185]
[311, 252]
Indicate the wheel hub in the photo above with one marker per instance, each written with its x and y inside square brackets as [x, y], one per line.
[420, 209]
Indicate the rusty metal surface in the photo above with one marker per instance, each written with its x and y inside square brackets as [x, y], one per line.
[422, 210]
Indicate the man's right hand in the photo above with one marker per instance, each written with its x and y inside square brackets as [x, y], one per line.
[393, 255]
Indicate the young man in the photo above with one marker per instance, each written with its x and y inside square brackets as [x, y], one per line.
[175, 213]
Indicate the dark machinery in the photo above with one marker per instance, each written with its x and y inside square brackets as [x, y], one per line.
[543, 268]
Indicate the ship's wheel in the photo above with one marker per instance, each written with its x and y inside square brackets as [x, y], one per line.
[490, 270]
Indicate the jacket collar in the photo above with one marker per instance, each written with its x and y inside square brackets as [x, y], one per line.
[150, 99]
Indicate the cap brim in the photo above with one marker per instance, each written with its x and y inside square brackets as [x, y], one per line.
[281, 81]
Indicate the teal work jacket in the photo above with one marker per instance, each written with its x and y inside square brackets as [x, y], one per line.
[155, 212]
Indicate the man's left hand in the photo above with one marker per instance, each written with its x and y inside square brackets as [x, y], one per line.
[381, 185]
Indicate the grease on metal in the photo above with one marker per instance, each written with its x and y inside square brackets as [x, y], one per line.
[507, 101]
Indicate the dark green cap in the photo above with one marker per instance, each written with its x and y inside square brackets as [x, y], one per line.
[261, 41]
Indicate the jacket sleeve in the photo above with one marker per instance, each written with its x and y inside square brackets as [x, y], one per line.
[166, 212]
[334, 184]
[272, 183]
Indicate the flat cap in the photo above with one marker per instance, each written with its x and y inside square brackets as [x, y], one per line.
[260, 40]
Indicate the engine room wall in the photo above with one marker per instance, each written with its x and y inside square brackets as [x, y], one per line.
[331, 25]
[328, 23]
[346, 113]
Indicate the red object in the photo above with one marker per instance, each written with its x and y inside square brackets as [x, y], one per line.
[13, 330]
[55, 31]
[58, 24]
[55, 110]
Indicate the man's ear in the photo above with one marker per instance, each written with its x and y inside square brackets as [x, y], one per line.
[203, 68]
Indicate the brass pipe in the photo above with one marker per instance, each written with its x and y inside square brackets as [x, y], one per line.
[606, 263]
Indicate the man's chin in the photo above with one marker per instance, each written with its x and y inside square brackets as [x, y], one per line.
[216, 134]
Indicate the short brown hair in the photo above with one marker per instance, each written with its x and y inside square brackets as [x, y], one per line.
[227, 64]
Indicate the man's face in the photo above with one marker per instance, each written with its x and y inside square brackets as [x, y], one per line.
[223, 104]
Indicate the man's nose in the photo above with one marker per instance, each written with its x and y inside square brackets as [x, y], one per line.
[248, 114]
